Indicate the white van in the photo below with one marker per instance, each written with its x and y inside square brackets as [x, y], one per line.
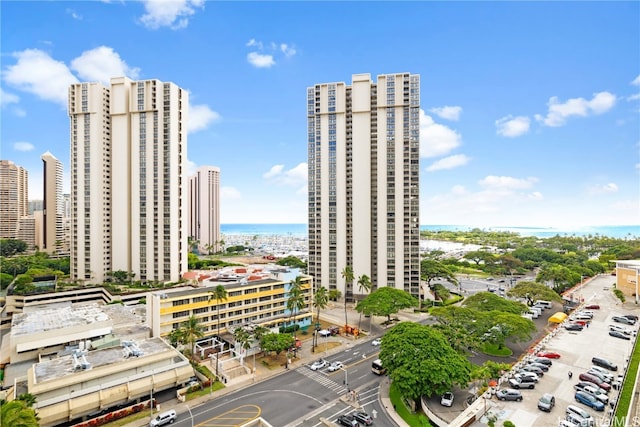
[536, 310]
[542, 303]
[534, 314]
[163, 418]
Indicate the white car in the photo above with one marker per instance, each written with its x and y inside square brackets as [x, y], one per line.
[621, 329]
[376, 341]
[318, 364]
[335, 366]
[447, 399]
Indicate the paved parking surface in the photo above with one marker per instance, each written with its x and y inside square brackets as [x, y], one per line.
[577, 348]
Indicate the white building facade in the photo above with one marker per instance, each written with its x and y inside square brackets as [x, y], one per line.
[364, 164]
[14, 198]
[128, 180]
[204, 208]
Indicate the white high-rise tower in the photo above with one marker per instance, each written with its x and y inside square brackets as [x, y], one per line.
[53, 204]
[364, 167]
[128, 180]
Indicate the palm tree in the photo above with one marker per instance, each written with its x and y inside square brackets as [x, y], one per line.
[334, 295]
[244, 339]
[296, 301]
[348, 276]
[364, 284]
[320, 300]
[27, 398]
[192, 330]
[219, 294]
[18, 414]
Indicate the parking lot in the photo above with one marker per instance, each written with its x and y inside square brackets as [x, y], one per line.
[576, 349]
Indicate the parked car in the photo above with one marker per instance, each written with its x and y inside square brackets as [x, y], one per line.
[580, 316]
[363, 418]
[604, 363]
[620, 335]
[542, 366]
[376, 341]
[631, 316]
[595, 380]
[549, 354]
[593, 307]
[589, 400]
[324, 333]
[622, 319]
[530, 375]
[582, 384]
[522, 382]
[334, 330]
[509, 394]
[335, 366]
[600, 376]
[546, 402]
[580, 412]
[447, 399]
[318, 364]
[542, 360]
[604, 372]
[596, 392]
[622, 329]
[573, 327]
[528, 368]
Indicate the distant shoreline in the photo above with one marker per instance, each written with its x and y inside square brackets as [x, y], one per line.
[300, 230]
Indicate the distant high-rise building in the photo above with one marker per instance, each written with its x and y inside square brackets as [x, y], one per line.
[128, 180]
[204, 208]
[14, 197]
[53, 206]
[364, 168]
[35, 205]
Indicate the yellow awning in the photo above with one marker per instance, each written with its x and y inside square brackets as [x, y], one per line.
[559, 317]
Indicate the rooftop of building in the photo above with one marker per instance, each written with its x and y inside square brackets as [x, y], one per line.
[46, 319]
[70, 364]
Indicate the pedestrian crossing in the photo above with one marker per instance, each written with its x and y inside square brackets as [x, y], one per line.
[322, 379]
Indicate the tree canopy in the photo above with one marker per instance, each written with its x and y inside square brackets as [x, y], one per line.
[532, 291]
[277, 343]
[488, 301]
[10, 247]
[385, 302]
[421, 362]
[431, 269]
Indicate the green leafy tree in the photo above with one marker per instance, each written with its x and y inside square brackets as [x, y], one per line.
[421, 362]
[276, 343]
[441, 292]
[431, 269]
[386, 301]
[364, 284]
[502, 325]
[244, 338]
[488, 301]
[320, 300]
[28, 398]
[532, 291]
[479, 257]
[192, 331]
[296, 301]
[334, 294]
[5, 280]
[17, 413]
[219, 294]
[11, 247]
[459, 326]
[348, 276]
[293, 262]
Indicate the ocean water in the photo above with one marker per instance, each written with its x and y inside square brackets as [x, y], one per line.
[300, 230]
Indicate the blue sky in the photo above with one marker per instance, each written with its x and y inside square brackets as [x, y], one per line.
[530, 110]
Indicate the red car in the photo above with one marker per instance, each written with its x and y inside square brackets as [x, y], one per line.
[549, 354]
[593, 307]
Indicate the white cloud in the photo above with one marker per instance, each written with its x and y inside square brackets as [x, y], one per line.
[636, 81]
[436, 139]
[229, 193]
[7, 98]
[254, 42]
[273, 172]
[192, 167]
[37, 73]
[536, 195]
[23, 146]
[74, 14]
[260, 60]
[288, 51]
[633, 97]
[447, 112]
[510, 126]
[200, 117]
[559, 112]
[169, 13]
[295, 177]
[610, 187]
[102, 63]
[450, 162]
[507, 182]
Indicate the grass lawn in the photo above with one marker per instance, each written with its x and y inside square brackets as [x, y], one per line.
[413, 419]
[624, 400]
[493, 350]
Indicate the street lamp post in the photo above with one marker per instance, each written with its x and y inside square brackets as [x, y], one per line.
[189, 409]
[346, 380]
[211, 379]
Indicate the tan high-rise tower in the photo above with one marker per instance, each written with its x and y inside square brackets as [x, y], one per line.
[14, 198]
[53, 206]
[204, 208]
[128, 180]
[364, 167]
